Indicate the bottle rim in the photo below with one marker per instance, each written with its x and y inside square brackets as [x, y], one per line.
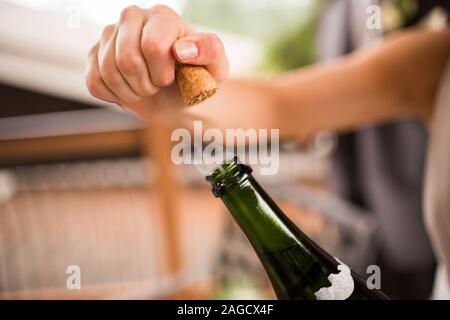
[231, 172]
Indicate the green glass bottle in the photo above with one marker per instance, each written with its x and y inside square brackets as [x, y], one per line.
[297, 267]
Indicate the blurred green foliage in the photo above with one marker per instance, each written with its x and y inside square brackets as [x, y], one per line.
[286, 28]
[296, 47]
[407, 8]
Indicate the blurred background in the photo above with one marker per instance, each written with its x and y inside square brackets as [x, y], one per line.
[84, 183]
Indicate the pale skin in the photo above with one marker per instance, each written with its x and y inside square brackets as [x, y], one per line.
[133, 65]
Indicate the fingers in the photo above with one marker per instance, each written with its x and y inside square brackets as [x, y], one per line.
[109, 70]
[136, 57]
[129, 59]
[162, 29]
[94, 81]
[203, 49]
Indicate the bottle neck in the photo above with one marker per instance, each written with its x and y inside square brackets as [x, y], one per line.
[296, 266]
[264, 224]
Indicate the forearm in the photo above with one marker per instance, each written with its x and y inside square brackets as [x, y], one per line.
[344, 94]
[341, 95]
[337, 96]
[239, 104]
[394, 80]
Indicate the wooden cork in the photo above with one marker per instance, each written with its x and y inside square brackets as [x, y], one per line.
[195, 83]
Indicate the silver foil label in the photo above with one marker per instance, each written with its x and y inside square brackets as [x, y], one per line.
[342, 285]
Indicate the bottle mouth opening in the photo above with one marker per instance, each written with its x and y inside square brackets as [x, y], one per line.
[229, 167]
[230, 172]
[226, 165]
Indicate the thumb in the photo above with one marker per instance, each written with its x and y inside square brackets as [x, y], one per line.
[198, 48]
[204, 49]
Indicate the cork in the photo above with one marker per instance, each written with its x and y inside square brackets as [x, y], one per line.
[195, 83]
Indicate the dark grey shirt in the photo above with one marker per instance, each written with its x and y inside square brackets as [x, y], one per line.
[380, 168]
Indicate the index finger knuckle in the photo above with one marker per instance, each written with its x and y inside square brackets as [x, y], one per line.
[130, 12]
[128, 63]
[153, 48]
